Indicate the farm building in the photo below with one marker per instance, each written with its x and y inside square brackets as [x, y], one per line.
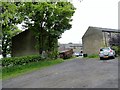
[25, 43]
[96, 38]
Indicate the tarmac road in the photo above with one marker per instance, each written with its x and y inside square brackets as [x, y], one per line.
[78, 73]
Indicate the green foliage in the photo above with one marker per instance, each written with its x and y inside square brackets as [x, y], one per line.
[117, 49]
[50, 21]
[93, 56]
[8, 72]
[14, 61]
[10, 17]
[53, 54]
[6, 40]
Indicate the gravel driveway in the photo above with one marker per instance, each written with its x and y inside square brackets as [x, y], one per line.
[77, 73]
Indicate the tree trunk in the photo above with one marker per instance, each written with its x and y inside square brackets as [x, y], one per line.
[40, 52]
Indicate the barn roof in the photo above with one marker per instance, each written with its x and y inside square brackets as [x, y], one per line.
[101, 29]
[107, 29]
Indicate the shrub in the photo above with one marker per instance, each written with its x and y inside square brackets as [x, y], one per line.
[53, 54]
[117, 49]
[13, 61]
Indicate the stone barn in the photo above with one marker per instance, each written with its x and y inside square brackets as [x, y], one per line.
[25, 44]
[96, 38]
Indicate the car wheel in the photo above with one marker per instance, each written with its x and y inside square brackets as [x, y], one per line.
[101, 58]
[113, 57]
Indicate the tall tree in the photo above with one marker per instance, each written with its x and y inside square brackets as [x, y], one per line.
[9, 19]
[50, 19]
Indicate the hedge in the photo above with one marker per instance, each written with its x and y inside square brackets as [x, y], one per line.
[13, 61]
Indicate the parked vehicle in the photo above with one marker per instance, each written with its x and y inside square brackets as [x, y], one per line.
[78, 54]
[66, 54]
[106, 52]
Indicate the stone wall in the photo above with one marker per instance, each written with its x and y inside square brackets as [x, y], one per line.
[92, 41]
[24, 44]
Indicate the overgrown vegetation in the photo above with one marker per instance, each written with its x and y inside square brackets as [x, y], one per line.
[17, 61]
[19, 65]
[16, 66]
[117, 49]
[48, 20]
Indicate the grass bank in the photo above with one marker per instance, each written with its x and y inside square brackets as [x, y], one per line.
[93, 56]
[9, 72]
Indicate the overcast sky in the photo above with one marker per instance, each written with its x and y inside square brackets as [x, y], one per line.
[98, 13]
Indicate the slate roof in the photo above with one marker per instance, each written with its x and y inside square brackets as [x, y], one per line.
[107, 29]
[100, 29]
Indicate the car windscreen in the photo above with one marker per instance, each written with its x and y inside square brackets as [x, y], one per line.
[104, 49]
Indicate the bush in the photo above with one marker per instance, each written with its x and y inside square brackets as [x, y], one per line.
[117, 49]
[13, 61]
[53, 54]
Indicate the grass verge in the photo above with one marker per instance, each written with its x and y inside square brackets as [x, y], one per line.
[92, 56]
[10, 72]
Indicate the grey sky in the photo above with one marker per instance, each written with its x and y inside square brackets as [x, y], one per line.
[98, 13]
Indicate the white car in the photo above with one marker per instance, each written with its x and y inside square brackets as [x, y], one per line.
[106, 52]
[78, 54]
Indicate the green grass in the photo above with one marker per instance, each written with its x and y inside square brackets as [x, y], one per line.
[93, 56]
[9, 72]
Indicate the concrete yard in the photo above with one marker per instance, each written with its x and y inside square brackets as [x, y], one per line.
[77, 73]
